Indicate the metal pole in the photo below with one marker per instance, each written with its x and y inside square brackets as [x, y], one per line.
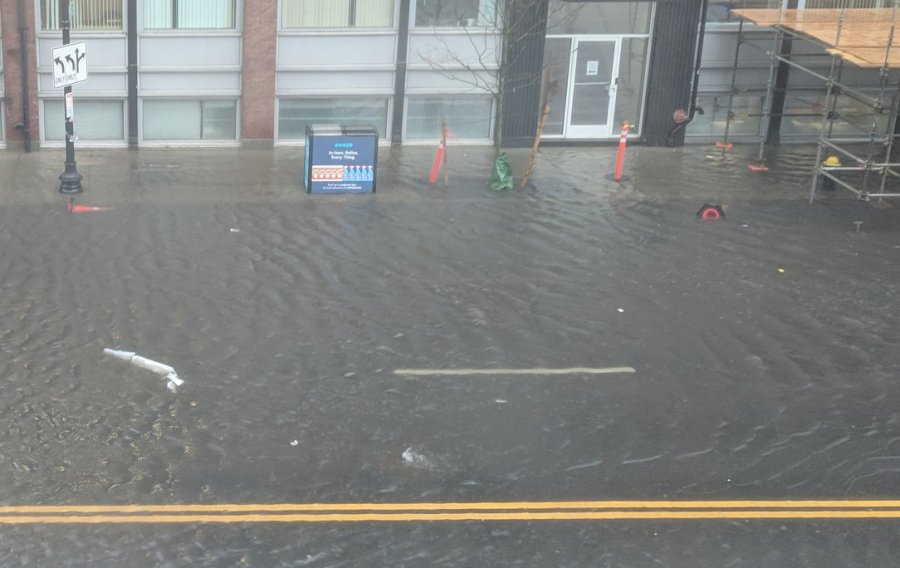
[770, 92]
[23, 65]
[70, 179]
[879, 109]
[737, 56]
[892, 120]
[132, 41]
[889, 148]
[834, 100]
[822, 135]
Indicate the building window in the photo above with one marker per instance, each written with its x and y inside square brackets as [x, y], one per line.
[84, 15]
[720, 10]
[804, 111]
[455, 13]
[95, 120]
[188, 14]
[294, 115]
[745, 120]
[565, 18]
[466, 117]
[189, 119]
[337, 14]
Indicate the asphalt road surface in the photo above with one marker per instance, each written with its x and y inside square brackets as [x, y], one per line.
[579, 373]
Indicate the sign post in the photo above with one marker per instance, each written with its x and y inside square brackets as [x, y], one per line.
[69, 67]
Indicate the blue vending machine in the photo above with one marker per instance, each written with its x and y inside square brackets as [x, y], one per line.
[340, 159]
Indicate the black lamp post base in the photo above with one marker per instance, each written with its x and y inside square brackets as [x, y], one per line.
[70, 182]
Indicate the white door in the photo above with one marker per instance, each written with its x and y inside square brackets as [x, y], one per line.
[592, 88]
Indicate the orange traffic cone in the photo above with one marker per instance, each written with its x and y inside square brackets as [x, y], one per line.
[85, 208]
[436, 165]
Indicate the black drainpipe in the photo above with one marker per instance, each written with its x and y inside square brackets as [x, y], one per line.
[24, 73]
[132, 74]
[698, 55]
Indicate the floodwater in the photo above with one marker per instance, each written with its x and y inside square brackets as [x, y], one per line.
[765, 349]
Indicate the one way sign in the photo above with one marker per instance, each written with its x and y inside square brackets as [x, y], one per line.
[69, 64]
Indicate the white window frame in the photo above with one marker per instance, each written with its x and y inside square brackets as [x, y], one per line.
[459, 141]
[495, 25]
[190, 143]
[393, 29]
[123, 143]
[40, 31]
[614, 132]
[747, 25]
[2, 124]
[193, 32]
[2, 100]
[385, 141]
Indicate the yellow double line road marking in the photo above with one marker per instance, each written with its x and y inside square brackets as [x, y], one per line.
[422, 512]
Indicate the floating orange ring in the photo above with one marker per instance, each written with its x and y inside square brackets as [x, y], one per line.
[711, 212]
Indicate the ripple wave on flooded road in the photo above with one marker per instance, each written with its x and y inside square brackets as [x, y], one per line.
[764, 345]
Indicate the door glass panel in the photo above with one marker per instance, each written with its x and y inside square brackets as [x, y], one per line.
[593, 75]
[630, 88]
[557, 60]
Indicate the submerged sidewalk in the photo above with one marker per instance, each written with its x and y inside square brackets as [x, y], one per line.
[118, 177]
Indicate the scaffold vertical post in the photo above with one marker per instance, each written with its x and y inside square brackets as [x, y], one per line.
[829, 92]
[895, 104]
[770, 89]
[834, 101]
[877, 111]
[734, 69]
[889, 147]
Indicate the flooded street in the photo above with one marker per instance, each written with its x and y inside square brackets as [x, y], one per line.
[764, 349]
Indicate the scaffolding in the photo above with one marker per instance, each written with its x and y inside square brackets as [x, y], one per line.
[862, 37]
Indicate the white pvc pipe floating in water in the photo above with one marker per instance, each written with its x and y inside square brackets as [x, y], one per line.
[173, 382]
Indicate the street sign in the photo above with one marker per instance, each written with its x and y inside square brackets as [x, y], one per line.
[69, 64]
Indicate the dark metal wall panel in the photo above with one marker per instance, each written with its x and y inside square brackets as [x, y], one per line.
[524, 59]
[671, 67]
[133, 118]
[400, 75]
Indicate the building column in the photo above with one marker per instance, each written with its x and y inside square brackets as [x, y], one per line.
[258, 48]
[400, 74]
[20, 84]
[671, 68]
[782, 77]
[524, 61]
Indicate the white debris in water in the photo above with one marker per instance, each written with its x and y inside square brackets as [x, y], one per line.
[233, 230]
[295, 443]
[173, 381]
[415, 459]
[167, 372]
[500, 401]
[620, 310]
